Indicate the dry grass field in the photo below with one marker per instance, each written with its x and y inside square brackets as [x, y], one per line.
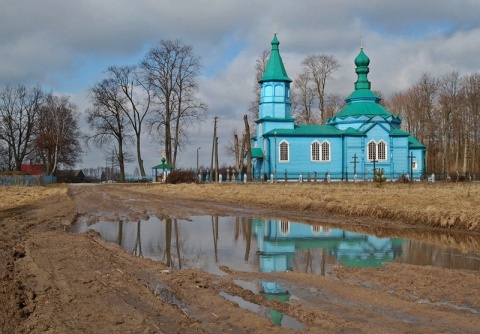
[439, 205]
[14, 197]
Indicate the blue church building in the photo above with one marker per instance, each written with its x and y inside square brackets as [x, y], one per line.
[362, 137]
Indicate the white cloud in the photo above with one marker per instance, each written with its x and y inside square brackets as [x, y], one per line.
[64, 45]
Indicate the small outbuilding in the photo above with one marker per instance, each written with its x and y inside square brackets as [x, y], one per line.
[160, 172]
[70, 176]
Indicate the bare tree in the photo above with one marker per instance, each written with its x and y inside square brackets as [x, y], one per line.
[137, 94]
[57, 140]
[450, 103]
[471, 92]
[319, 69]
[248, 148]
[334, 103]
[260, 66]
[234, 148]
[5, 157]
[305, 96]
[171, 69]
[19, 111]
[108, 120]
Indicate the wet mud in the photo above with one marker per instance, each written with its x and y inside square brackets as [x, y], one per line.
[55, 281]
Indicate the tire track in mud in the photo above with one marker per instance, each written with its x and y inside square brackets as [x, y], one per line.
[74, 282]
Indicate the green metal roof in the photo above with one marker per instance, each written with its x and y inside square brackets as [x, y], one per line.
[362, 62]
[314, 130]
[163, 165]
[413, 143]
[399, 133]
[257, 152]
[370, 108]
[362, 101]
[275, 71]
[275, 119]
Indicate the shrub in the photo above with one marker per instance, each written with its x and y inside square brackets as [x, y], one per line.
[378, 177]
[403, 178]
[181, 176]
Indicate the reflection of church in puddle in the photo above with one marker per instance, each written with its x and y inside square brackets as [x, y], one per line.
[287, 246]
[283, 245]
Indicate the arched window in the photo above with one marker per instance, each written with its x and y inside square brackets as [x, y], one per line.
[320, 152]
[372, 151]
[325, 151]
[377, 152]
[279, 90]
[268, 90]
[315, 151]
[382, 151]
[284, 152]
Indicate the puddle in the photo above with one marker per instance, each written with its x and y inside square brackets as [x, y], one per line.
[456, 307]
[277, 318]
[248, 285]
[267, 245]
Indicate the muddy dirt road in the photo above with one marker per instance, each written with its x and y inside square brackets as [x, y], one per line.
[54, 281]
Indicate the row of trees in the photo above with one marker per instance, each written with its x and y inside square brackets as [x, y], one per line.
[39, 127]
[444, 114]
[158, 95]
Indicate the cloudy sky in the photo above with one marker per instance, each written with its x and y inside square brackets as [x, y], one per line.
[65, 46]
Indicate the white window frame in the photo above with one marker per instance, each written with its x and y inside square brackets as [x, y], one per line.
[414, 165]
[280, 151]
[317, 229]
[376, 155]
[318, 153]
[385, 151]
[284, 227]
[329, 151]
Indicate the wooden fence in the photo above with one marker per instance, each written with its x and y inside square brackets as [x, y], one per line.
[26, 180]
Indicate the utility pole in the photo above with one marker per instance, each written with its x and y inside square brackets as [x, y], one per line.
[213, 146]
[248, 146]
[216, 159]
[196, 171]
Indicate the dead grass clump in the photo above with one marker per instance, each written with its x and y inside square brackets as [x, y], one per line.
[17, 196]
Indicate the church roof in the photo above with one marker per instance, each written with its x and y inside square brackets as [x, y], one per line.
[275, 71]
[314, 130]
[275, 119]
[362, 101]
[257, 152]
[163, 165]
[414, 143]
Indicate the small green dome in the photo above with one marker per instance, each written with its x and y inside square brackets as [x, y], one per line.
[362, 59]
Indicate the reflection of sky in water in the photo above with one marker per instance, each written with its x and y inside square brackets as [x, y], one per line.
[207, 242]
